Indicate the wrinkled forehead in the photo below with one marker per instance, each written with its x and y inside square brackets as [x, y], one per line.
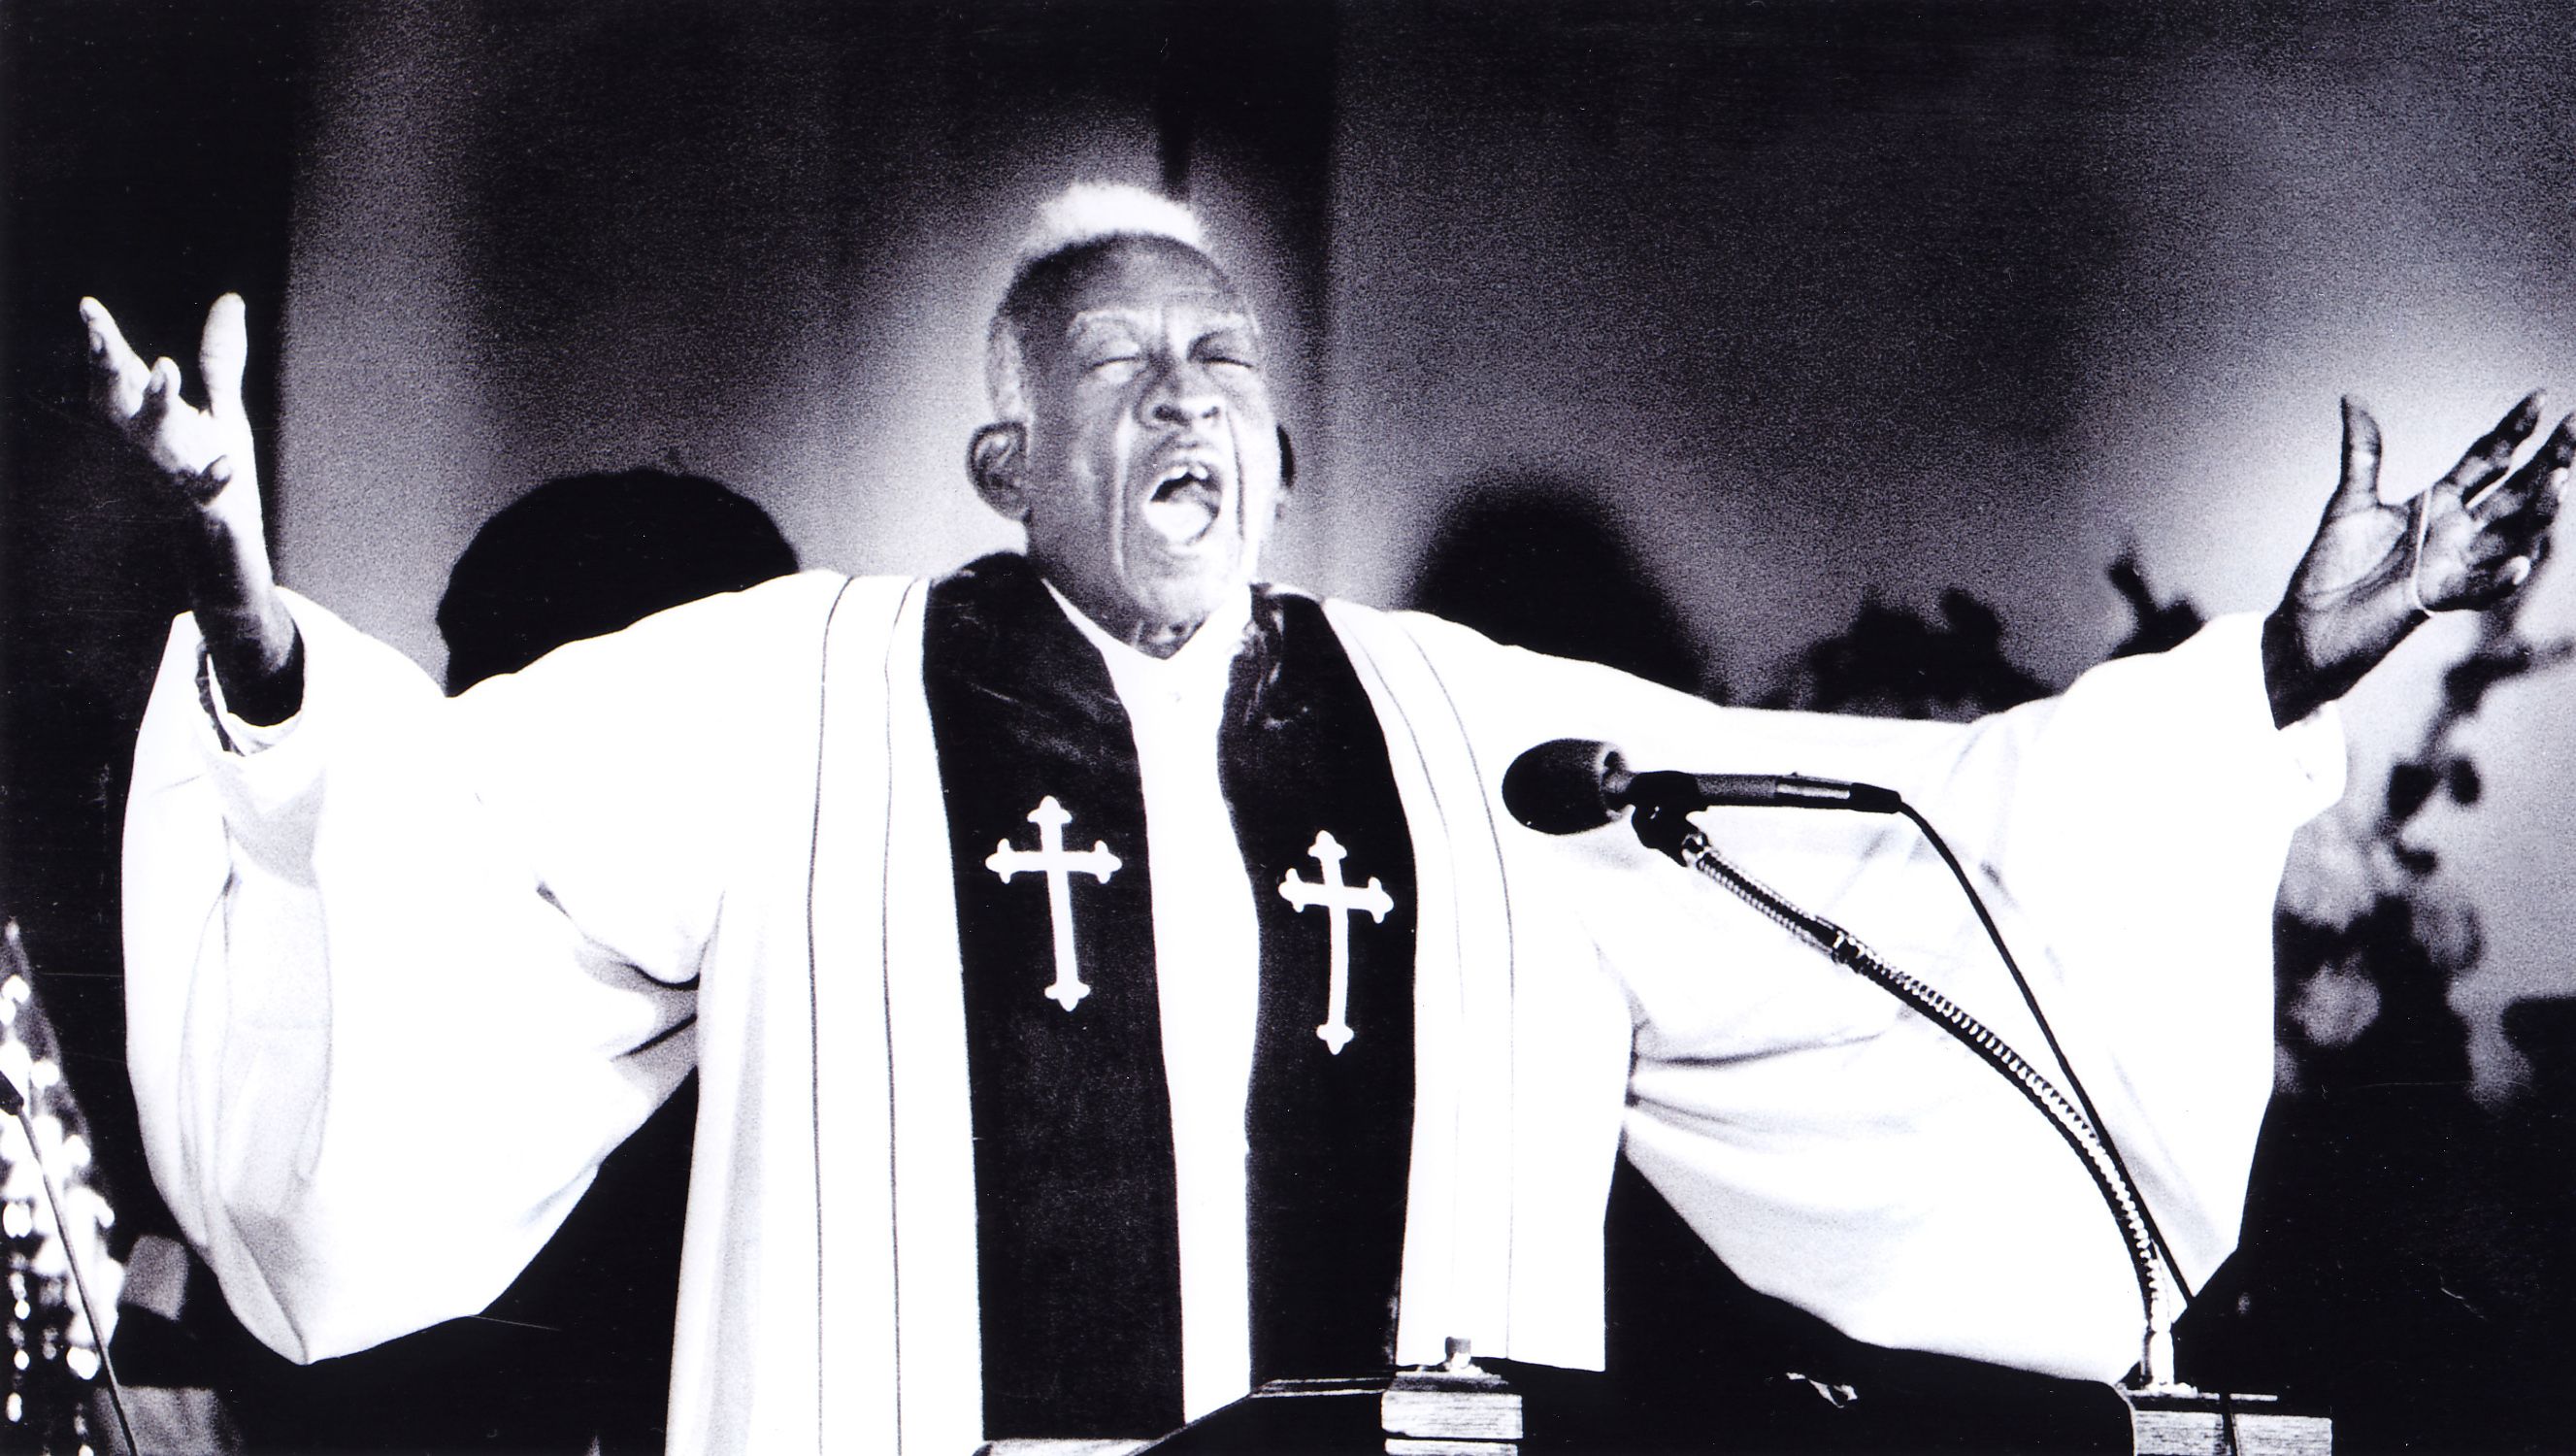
[1114, 278]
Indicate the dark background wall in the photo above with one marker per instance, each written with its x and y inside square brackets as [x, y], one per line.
[150, 150]
[1821, 301]
[1826, 300]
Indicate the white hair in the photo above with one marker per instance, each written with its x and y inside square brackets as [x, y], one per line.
[1083, 213]
[1086, 212]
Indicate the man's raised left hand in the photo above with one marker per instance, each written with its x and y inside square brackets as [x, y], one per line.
[2377, 570]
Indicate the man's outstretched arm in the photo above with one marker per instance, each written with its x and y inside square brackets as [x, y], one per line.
[205, 459]
[2377, 570]
[354, 958]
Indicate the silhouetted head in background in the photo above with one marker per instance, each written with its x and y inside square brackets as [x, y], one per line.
[1537, 565]
[584, 555]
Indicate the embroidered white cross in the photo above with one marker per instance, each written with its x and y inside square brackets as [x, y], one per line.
[1336, 900]
[1051, 860]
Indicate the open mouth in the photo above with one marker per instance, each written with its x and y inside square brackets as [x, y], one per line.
[1183, 504]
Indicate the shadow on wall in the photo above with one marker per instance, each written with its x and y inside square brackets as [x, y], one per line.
[1535, 563]
[1893, 663]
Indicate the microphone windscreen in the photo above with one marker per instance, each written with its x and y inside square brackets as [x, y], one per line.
[1564, 786]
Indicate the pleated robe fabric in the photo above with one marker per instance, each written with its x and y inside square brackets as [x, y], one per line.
[397, 983]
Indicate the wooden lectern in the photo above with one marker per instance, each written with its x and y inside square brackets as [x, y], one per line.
[1454, 1409]
[1461, 1410]
[2185, 1422]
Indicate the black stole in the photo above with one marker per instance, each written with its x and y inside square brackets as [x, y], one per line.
[1077, 1228]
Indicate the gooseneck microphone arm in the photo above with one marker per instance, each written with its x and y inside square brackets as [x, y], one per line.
[1570, 785]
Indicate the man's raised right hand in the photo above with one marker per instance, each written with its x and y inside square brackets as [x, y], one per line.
[205, 459]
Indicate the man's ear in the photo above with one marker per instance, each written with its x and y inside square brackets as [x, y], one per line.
[1287, 462]
[997, 461]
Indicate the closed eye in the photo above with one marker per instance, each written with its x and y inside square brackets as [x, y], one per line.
[1229, 345]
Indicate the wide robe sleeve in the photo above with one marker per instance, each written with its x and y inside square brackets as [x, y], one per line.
[1835, 1147]
[396, 984]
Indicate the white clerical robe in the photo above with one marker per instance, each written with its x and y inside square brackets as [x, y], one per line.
[397, 984]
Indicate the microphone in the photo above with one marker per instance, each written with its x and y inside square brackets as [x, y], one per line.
[1568, 785]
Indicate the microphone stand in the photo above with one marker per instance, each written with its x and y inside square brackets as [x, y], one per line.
[1662, 823]
[2167, 1418]
[1571, 785]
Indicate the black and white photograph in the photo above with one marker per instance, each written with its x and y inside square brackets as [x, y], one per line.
[1429, 727]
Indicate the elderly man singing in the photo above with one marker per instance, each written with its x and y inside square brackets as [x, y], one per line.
[1115, 979]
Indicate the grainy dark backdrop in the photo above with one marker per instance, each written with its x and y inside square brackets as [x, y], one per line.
[1820, 300]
